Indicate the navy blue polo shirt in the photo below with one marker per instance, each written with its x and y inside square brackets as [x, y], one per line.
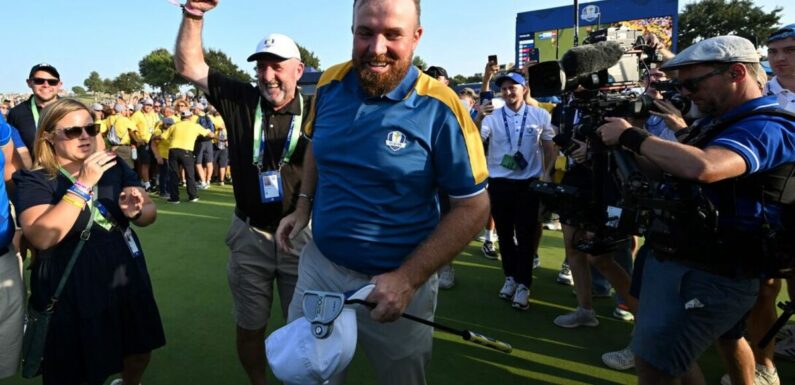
[381, 161]
[764, 142]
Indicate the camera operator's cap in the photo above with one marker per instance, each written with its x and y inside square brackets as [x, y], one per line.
[149, 102]
[277, 45]
[120, 107]
[512, 76]
[46, 68]
[782, 33]
[296, 356]
[97, 107]
[436, 71]
[186, 113]
[198, 106]
[722, 49]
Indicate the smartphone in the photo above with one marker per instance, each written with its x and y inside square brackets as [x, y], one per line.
[493, 59]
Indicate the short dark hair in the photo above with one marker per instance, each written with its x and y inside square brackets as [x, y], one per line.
[416, 6]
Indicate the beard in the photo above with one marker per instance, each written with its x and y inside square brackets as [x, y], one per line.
[264, 91]
[377, 84]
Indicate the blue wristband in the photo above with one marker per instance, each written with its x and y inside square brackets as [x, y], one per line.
[82, 194]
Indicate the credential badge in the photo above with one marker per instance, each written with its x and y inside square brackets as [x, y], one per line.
[395, 140]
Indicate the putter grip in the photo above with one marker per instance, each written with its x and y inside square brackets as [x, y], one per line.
[488, 342]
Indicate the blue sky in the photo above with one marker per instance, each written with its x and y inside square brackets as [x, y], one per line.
[110, 37]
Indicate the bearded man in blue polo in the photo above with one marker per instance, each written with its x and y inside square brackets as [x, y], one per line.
[384, 139]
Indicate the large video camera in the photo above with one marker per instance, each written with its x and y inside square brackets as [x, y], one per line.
[599, 80]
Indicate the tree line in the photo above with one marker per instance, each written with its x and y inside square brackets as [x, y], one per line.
[156, 69]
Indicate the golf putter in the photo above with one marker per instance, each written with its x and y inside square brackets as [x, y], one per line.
[321, 308]
[467, 335]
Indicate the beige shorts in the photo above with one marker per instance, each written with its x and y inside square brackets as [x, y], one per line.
[12, 313]
[254, 264]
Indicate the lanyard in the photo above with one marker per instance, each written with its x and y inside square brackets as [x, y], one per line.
[293, 135]
[521, 128]
[35, 110]
[100, 214]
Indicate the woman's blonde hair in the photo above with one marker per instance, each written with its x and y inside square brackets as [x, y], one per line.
[43, 149]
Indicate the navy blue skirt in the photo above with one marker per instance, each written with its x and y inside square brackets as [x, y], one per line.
[107, 310]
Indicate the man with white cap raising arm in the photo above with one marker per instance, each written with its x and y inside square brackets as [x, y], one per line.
[385, 139]
[266, 153]
[733, 170]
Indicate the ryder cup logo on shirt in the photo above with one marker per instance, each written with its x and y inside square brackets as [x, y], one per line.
[395, 140]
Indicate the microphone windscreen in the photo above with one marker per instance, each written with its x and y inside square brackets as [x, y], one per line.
[591, 58]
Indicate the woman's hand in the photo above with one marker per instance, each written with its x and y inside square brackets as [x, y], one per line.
[131, 201]
[94, 166]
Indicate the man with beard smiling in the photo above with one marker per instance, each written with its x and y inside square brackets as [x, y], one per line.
[385, 139]
[266, 153]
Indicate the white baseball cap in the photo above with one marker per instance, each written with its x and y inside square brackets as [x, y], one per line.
[277, 45]
[296, 356]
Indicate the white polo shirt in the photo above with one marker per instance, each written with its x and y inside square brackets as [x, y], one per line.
[537, 128]
[786, 98]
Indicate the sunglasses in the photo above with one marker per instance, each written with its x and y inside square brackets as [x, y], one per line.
[77, 131]
[693, 83]
[40, 81]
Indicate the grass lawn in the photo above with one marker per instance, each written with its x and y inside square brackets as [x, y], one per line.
[186, 254]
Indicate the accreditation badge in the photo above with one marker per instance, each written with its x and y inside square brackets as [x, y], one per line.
[508, 162]
[270, 186]
[130, 240]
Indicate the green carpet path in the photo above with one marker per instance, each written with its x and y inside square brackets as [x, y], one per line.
[186, 255]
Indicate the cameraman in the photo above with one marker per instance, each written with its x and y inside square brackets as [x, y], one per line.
[699, 292]
[667, 120]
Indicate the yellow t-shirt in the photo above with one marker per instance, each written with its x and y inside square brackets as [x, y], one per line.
[218, 122]
[144, 125]
[162, 145]
[183, 135]
[122, 125]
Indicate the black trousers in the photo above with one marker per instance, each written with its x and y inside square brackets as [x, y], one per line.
[515, 211]
[177, 157]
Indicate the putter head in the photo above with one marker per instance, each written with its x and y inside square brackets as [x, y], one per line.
[321, 308]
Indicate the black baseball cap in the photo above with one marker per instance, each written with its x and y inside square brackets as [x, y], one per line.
[46, 68]
[435, 72]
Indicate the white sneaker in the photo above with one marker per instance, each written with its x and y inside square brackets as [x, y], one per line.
[536, 262]
[577, 318]
[620, 360]
[564, 276]
[508, 289]
[786, 349]
[521, 298]
[762, 376]
[446, 277]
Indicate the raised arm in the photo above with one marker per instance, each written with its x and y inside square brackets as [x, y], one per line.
[189, 53]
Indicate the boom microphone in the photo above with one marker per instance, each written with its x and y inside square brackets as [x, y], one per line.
[591, 58]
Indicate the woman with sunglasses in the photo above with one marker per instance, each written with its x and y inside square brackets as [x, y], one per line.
[106, 320]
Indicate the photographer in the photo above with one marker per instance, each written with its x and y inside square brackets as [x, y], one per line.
[699, 286]
[520, 151]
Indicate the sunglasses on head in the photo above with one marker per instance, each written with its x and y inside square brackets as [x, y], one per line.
[77, 131]
[40, 81]
[692, 84]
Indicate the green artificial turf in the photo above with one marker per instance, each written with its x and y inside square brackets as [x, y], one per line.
[186, 255]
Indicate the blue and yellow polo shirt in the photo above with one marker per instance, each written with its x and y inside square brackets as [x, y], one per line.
[382, 160]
